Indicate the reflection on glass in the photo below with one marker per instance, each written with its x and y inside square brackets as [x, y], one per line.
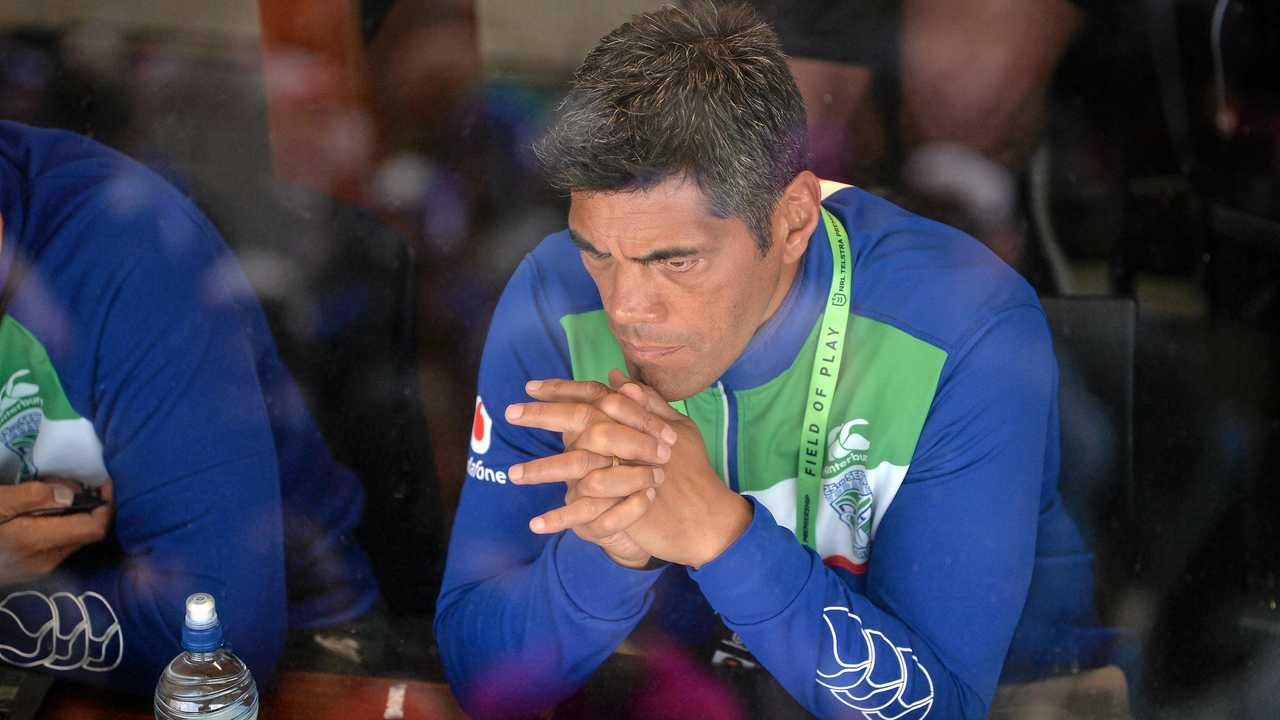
[369, 167]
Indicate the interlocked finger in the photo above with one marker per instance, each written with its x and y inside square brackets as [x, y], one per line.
[565, 467]
[616, 406]
[627, 444]
[643, 395]
[619, 481]
[584, 391]
[573, 515]
[569, 418]
[618, 518]
[623, 409]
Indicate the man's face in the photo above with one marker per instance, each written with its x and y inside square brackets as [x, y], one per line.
[684, 290]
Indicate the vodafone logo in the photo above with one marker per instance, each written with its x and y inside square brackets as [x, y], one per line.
[481, 429]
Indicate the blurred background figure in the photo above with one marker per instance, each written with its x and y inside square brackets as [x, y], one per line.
[187, 91]
[139, 362]
[937, 102]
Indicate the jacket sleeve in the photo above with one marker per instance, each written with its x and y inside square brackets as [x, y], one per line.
[524, 619]
[927, 633]
[174, 399]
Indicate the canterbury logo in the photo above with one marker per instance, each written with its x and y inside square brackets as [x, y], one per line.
[843, 440]
[14, 390]
[60, 631]
[884, 682]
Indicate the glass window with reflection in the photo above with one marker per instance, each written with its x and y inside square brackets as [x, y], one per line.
[890, 358]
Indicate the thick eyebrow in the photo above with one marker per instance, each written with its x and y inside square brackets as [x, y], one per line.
[586, 247]
[658, 255]
[666, 254]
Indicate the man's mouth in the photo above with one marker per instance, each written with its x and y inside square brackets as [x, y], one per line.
[648, 352]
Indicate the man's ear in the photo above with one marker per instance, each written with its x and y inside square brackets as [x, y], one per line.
[797, 215]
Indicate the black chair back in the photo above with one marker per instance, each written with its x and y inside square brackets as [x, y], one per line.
[1094, 339]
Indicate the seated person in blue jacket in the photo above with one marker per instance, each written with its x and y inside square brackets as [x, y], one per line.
[732, 394]
[135, 360]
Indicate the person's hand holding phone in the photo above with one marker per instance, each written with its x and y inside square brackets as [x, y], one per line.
[35, 538]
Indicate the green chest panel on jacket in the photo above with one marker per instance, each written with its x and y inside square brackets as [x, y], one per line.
[41, 435]
[888, 379]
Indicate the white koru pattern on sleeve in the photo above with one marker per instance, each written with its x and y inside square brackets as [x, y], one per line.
[873, 676]
[61, 631]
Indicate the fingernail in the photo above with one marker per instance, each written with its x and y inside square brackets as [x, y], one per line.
[651, 494]
[664, 452]
[669, 435]
[515, 472]
[514, 412]
[533, 385]
[658, 476]
[537, 524]
[62, 495]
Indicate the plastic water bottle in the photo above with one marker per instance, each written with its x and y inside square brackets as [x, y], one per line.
[207, 681]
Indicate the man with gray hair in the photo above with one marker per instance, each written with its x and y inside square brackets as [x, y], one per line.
[763, 406]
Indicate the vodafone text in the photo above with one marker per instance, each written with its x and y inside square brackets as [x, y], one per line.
[477, 470]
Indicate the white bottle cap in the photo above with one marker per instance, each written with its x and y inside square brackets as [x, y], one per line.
[201, 612]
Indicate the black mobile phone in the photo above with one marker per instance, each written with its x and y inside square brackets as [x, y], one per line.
[86, 499]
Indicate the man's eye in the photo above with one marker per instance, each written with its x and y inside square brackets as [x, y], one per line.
[680, 264]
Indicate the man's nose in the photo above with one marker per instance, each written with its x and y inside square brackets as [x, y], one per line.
[634, 298]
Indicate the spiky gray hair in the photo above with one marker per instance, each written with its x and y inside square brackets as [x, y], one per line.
[701, 90]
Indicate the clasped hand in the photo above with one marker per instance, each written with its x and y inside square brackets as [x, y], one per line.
[638, 480]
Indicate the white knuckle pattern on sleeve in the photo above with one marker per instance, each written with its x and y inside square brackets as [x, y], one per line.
[873, 676]
[61, 631]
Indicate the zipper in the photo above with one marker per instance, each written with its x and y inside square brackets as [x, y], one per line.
[729, 443]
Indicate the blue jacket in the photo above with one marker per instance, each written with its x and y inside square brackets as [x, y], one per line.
[942, 544]
[134, 349]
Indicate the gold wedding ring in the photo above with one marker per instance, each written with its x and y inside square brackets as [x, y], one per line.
[616, 463]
